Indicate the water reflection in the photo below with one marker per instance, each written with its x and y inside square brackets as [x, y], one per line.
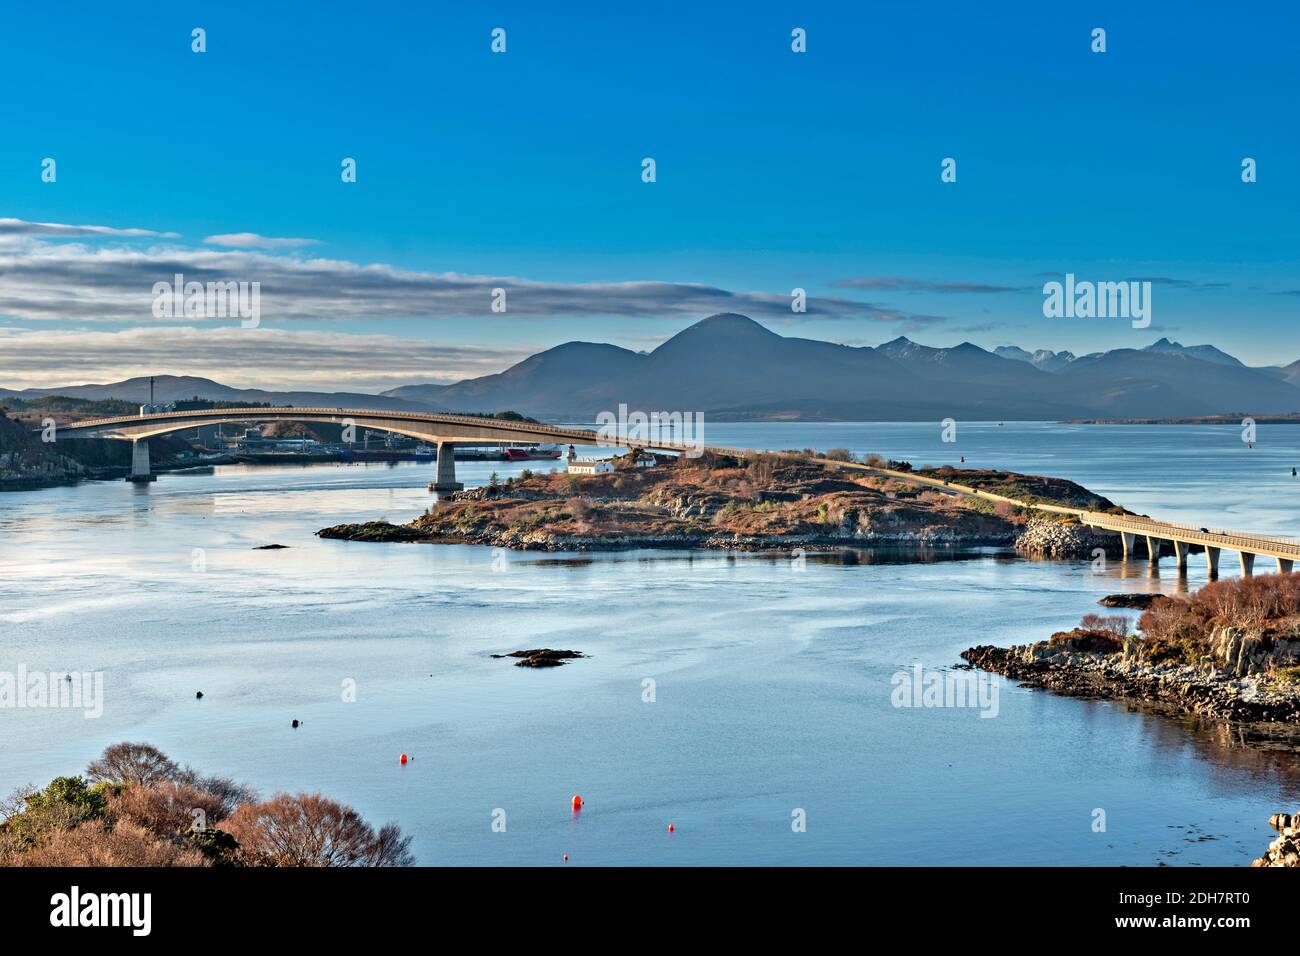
[773, 686]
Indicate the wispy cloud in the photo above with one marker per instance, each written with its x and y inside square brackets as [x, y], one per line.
[1182, 283]
[910, 284]
[246, 358]
[251, 240]
[19, 227]
[44, 279]
[1169, 281]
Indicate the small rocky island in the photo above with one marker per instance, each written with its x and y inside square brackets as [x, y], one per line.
[748, 503]
[542, 657]
[1230, 651]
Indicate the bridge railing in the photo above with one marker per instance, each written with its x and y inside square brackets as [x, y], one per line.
[576, 435]
[1233, 540]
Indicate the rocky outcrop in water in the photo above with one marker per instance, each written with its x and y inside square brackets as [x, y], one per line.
[1285, 850]
[1137, 602]
[729, 503]
[1081, 669]
[371, 531]
[542, 657]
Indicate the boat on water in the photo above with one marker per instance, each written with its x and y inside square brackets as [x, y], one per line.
[534, 453]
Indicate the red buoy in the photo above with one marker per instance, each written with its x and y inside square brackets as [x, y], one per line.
[671, 828]
[577, 802]
[403, 758]
[566, 858]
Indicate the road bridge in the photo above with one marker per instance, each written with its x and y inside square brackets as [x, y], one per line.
[442, 431]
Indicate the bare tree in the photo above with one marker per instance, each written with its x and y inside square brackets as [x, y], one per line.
[1116, 625]
[143, 764]
[228, 793]
[15, 802]
[168, 809]
[313, 830]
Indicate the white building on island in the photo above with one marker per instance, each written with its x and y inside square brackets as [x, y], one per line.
[590, 466]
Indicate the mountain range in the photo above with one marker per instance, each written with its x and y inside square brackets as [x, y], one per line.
[730, 367]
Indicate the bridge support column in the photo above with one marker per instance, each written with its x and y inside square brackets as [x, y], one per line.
[1212, 556]
[140, 467]
[1247, 563]
[445, 476]
[1180, 554]
[1284, 565]
[1128, 540]
[1153, 549]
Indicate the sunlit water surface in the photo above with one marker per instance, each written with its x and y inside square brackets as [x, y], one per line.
[771, 685]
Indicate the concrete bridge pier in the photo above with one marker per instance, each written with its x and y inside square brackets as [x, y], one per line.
[1127, 540]
[141, 471]
[1181, 550]
[1153, 549]
[1212, 556]
[1247, 563]
[1284, 565]
[445, 476]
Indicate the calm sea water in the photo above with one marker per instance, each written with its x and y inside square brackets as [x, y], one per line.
[772, 686]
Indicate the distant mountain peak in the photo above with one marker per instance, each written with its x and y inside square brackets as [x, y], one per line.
[1206, 353]
[722, 329]
[727, 323]
[727, 318]
[1044, 359]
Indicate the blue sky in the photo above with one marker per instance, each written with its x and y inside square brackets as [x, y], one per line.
[775, 170]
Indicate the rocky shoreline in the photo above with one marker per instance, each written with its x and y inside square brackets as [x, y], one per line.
[1213, 689]
[25, 472]
[542, 540]
[1285, 850]
[1040, 539]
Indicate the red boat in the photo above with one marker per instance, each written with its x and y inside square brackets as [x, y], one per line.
[538, 453]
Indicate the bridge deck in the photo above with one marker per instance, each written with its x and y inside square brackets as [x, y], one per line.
[1249, 542]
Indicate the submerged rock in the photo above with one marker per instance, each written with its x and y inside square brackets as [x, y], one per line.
[270, 547]
[542, 657]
